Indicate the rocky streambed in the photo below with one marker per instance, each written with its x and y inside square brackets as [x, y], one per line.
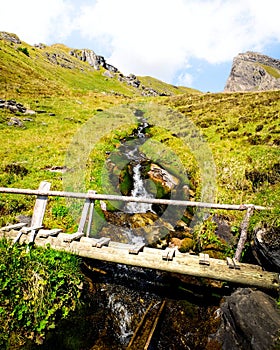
[199, 313]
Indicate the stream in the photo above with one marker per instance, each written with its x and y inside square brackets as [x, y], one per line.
[116, 297]
[130, 151]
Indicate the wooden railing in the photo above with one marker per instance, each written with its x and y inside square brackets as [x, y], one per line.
[44, 192]
[170, 259]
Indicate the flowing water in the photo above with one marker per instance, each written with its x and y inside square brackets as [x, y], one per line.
[131, 151]
[117, 296]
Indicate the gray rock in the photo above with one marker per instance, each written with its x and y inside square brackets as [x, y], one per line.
[250, 320]
[15, 122]
[13, 38]
[267, 247]
[253, 72]
[15, 107]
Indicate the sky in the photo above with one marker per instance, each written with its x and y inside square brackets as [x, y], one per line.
[182, 42]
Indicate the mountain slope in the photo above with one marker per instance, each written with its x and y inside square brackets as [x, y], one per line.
[253, 72]
[64, 92]
[59, 70]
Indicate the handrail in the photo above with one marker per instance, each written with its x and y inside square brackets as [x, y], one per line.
[97, 196]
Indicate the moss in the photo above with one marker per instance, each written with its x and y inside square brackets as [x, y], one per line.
[187, 244]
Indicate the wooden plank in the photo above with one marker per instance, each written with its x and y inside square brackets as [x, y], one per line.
[13, 227]
[230, 263]
[182, 264]
[88, 240]
[236, 264]
[155, 325]
[136, 248]
[66, 237]
[168, 254]
[204, 259]
[103, 241]
[31, 228]
[46, 233]
[144, 332]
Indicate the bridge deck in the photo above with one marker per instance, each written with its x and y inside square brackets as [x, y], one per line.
[164, 260]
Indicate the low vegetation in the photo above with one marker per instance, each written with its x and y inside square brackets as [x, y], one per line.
[241, 131]
[38, 288]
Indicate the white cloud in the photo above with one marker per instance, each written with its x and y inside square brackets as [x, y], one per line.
[36, 21]
[158, 37]
[150, 37]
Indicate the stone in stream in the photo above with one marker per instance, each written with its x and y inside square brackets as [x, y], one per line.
[250, 319]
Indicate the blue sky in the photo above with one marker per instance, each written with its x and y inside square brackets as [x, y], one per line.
[183, 42]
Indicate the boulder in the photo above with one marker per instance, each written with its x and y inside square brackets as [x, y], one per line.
[162, 177]
[267, 247]
[249, 320]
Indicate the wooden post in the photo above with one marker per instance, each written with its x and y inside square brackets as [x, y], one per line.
[243, 233]
[40, 205]
[90, 215]
[39, 210]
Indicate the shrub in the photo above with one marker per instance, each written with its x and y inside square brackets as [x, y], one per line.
[38, 287]
[24, 50]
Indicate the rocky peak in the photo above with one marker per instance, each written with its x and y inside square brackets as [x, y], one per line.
[253, 71]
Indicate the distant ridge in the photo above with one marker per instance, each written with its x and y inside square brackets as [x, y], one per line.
[43, 68]
[253, 71]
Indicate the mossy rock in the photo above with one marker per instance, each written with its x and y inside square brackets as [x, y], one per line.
[187, 244]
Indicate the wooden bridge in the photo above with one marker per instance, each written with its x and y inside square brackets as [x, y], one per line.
[169, 259]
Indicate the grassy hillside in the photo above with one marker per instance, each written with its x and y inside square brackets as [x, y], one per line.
[243, 132]
[164, 88]
[241, 129]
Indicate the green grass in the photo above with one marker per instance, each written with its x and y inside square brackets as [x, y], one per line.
[242, 129]
[239, 130]
[272, 71]
[164, 88]
[38, 287]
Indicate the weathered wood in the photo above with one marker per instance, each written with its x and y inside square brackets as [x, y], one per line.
[243, 233]
[168, 253]
[143, 333]
[90, 216]
[46, 233]
[109, 197]
[84, 215]
[101, 242]
[40, 204]
[204, 259]
[39, 210]
[230, 263]
[66, 237]
[182, 263]
[136, 248]
[162, 306]
[26, 229]
[13, 227]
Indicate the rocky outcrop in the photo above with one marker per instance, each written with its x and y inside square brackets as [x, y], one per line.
[249, 320]
[64, 59]
[13, 38]
[15, 107]
[93, 60]
[253, 72]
